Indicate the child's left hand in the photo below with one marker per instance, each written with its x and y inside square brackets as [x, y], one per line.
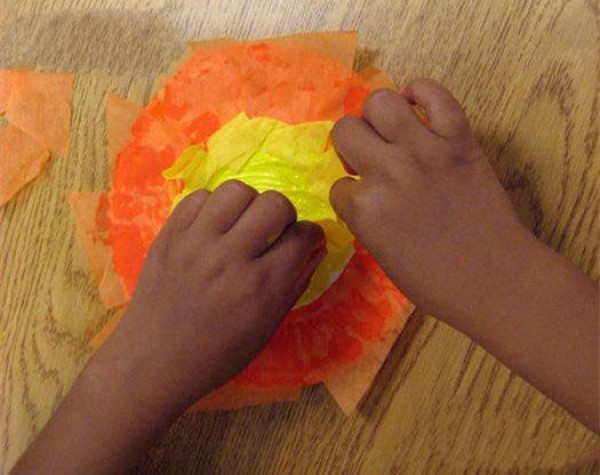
[215, 287]
[221, 274]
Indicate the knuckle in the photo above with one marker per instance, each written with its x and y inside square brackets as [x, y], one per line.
[197, 195]
[310, 231]
[447, 101]
[428, 83]
[279, 202]
[193, 200]
[379, 97]
[363, 203]
[215, 268]
[342, 127]
[201, 195]
[237, 187]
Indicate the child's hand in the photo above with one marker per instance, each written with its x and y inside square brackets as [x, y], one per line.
[430, 209]
[428, 205]
[215, 286]
[213, 290]
[222, 272]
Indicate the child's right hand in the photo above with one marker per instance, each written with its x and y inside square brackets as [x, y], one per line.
[428, 205]
[430, 209]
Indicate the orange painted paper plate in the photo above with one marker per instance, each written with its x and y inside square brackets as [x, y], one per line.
[288, 81]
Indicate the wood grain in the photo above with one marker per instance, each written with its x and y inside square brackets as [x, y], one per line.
[528, 73]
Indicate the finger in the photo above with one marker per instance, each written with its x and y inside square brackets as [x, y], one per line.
[307, 270]
[391, 115]
[357, 143]
[291, 277]
[446, 115]
[264, 220]
[342, 198]
[186, 212]
[225, 205]
[294, 247]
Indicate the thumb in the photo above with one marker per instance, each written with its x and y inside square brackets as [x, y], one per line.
[342, 197]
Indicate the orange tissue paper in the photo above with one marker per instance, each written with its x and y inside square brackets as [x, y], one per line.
[339, 337]
[37, 109]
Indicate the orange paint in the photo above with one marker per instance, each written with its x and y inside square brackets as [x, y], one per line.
[325, 337]
[349, 387]
[354, 100]
[120, 116]
[214, 85]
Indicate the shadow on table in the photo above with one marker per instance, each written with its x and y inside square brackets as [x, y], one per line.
[396, 366]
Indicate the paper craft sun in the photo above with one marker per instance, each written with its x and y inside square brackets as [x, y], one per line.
[260, 112]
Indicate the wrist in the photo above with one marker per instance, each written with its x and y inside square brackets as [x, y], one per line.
[123, 382]
[494, 296]
[154, 375]
[539, 317]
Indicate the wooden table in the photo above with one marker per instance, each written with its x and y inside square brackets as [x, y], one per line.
[528, 73]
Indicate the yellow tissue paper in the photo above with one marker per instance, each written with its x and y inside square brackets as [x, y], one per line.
[267, 154]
